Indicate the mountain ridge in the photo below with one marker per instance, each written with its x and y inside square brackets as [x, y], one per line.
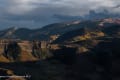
[45, 32]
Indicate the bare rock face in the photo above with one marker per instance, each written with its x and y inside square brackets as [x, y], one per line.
[22, 51]
[15, 52]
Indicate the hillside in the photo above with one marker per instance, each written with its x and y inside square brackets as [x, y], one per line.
[79, 35]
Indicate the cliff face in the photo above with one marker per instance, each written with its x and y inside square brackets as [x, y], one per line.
[21, 51]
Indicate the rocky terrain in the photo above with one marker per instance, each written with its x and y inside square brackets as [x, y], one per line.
[87, 50]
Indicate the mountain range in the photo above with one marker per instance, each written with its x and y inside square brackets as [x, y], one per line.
[93, 43]
[45, 32]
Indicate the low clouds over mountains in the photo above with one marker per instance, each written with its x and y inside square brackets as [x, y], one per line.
[36, 13]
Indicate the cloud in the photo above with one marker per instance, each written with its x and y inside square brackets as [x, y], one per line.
[79, 6]
[36, 13]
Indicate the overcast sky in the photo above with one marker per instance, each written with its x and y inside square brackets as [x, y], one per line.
[36, 13]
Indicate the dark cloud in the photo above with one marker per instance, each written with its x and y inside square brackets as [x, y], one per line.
[37, 13]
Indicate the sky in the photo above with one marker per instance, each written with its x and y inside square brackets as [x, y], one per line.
[37, 13]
